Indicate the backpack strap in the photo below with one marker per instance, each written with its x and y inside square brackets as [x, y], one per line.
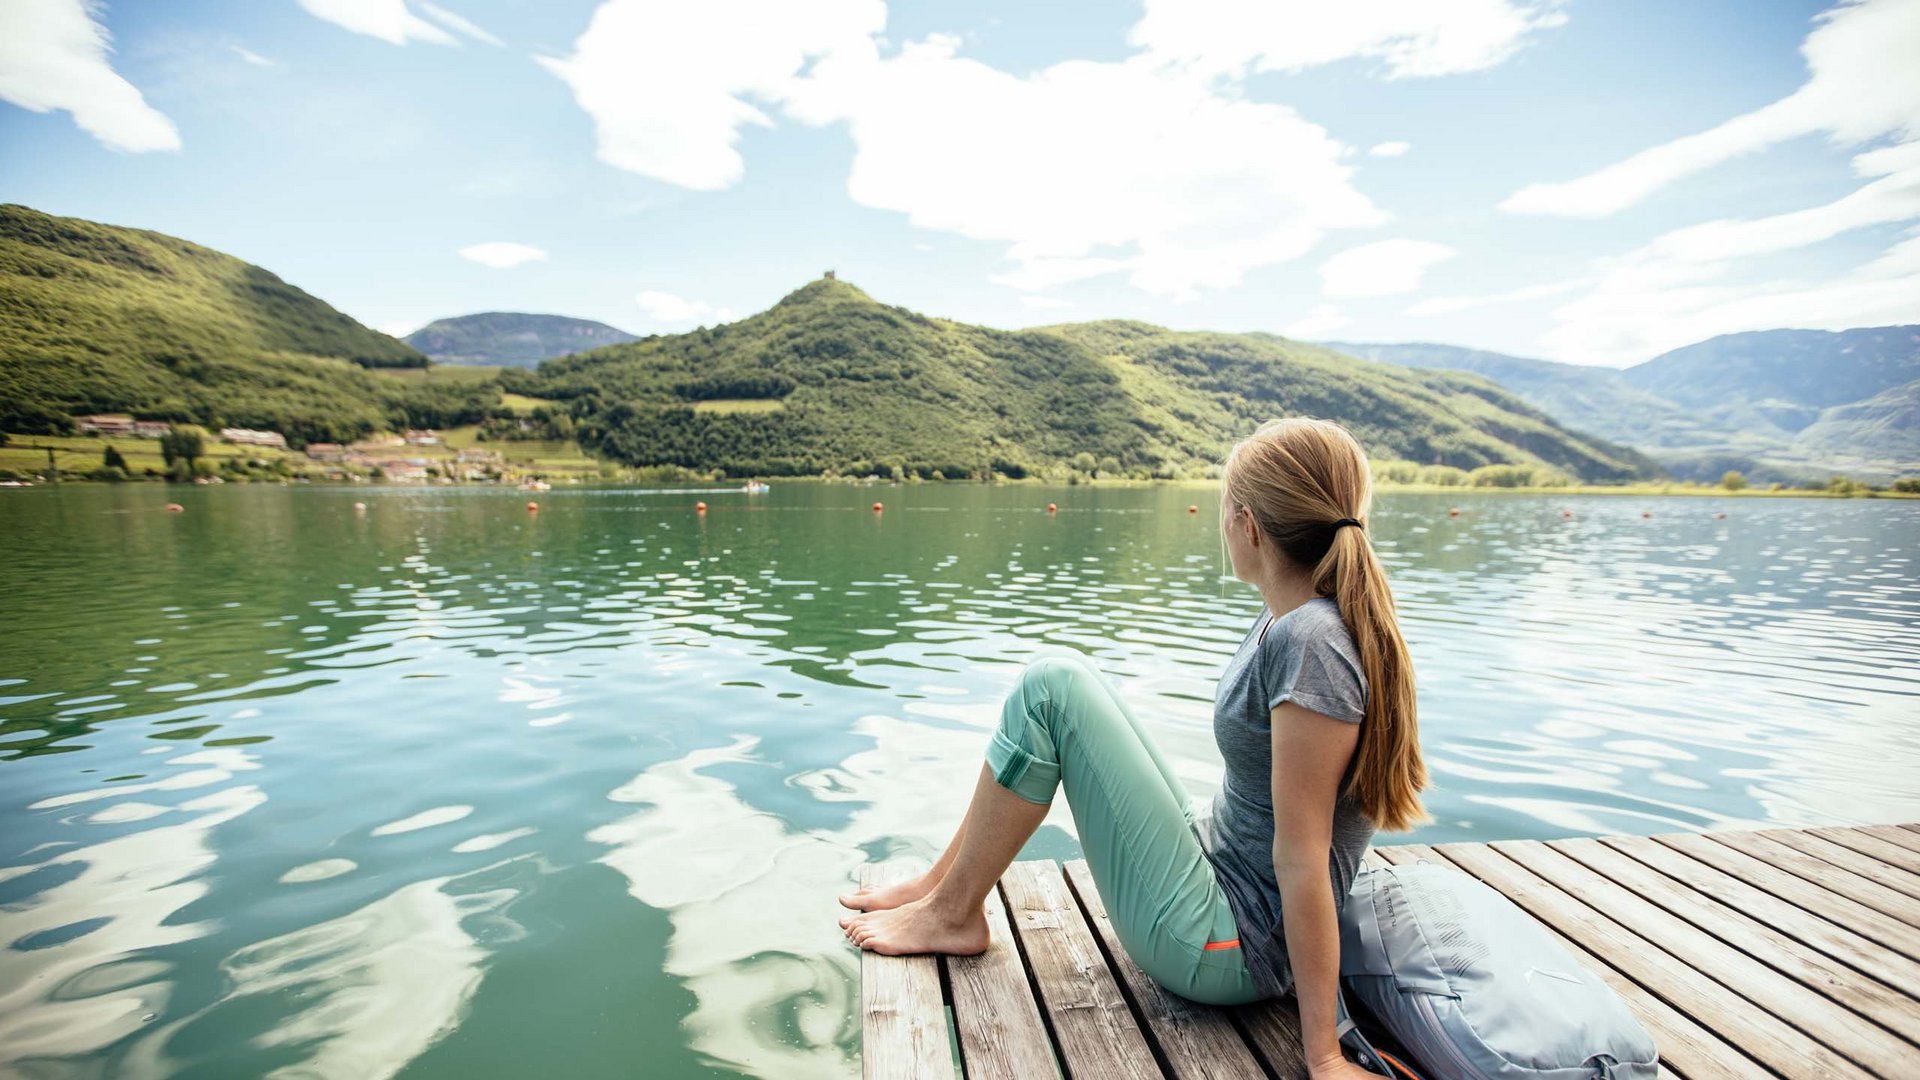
[1365, 1054]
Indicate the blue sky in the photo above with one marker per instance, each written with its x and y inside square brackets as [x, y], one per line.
[1585, 181]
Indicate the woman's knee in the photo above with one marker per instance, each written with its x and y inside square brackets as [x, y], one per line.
[1056, 671]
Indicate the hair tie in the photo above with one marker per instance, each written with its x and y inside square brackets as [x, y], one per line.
[1344, 522]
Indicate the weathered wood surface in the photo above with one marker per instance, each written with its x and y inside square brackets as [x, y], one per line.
[1777, 952]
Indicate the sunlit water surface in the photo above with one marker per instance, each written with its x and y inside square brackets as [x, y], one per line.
[448, 788]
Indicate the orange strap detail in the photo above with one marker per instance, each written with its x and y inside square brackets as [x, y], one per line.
[1230, 944]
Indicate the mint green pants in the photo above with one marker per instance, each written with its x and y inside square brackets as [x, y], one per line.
[1065, 726]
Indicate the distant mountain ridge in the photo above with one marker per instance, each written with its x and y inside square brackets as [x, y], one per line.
[1778, 404]
[511, 338]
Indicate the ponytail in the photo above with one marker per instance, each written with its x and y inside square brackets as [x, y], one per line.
[1308, 484]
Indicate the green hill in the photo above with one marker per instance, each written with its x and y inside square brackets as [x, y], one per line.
[830, 378]
[511, 338]
[1886, 425]
[1782, 378]
[98, 318]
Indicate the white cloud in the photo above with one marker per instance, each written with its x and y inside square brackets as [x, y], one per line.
[388, 20]
[667, 85]
[252, 57]
[502, 254]
[398, 330]
[1681, 287]
[1389, 149]
[667, 308]
[1411, 38]
[1043, 303]
[1863, 83]
[962, 147]
[53, 55]
[1319, 322]
[458, 24]
[1381, 268]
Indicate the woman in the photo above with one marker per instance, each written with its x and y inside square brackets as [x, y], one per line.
[1315, 720]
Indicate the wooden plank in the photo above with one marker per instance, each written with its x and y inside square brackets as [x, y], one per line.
[1900, 972]
[1689, 990]
[1272, 1028]
[1869, 923]
[1093, 1029]
[1867, 866]
[994, 1011]
[1893, 834]
[1822, 873]
[1685, 1047]
[1815, 970]
[1870, 1047]
[1866, 843]
[1195, 1040]
[903, 1021]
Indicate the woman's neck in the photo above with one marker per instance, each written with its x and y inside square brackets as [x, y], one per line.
[1285, 590]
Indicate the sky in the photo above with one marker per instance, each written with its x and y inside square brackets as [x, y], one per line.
[1593, 181]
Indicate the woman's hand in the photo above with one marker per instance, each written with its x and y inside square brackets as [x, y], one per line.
[1339, 1068]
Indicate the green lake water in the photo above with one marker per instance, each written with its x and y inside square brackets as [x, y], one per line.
[448, 789]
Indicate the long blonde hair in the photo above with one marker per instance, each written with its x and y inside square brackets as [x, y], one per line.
[1298, 477]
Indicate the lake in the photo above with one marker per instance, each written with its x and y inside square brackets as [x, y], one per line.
[446, 788]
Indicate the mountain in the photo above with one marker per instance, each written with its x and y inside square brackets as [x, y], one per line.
[1885, 425]
[1584, 398]
[1786, 405]
[1781, 379]
[99, 318]
[830, 378]
[511, 338]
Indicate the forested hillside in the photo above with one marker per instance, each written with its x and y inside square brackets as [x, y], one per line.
[98, 318]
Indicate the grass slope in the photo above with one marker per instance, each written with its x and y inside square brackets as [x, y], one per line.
[98, 318]
[852, 384]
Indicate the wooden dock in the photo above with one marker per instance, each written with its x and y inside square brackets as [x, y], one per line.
[1772, 953]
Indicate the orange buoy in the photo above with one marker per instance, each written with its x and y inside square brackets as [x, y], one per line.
[1051, 508]
[1193, 509]
[876, 507]
[1566, 513]
[533, 506]
[701, 507]
[174, 508]
[1453, 511]
[1646, 513]
[360, 507]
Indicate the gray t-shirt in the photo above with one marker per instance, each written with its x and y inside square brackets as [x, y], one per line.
[1307, 656]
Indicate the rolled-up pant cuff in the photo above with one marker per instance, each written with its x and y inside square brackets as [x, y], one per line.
[1032, 778]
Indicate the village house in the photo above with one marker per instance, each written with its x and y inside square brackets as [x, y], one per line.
[250, 437]
[421, 437]
[326, 451]
[150, 429]
[105, 424]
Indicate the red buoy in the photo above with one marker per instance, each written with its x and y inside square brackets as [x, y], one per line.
[701, 507]
[360, 507]
[1566, 513]
[174, 508]
[1646, 513]
[876, 506]
[1051, 508]
[1721, 516]
[533, 506]
[1192, 509]
[1453, 511]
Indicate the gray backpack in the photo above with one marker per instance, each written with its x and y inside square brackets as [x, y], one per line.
[1473, 988]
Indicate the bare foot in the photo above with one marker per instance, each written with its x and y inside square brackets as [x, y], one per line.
[882, 897]
[917, 927]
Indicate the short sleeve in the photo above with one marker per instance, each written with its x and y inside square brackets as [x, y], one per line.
[1314, 665]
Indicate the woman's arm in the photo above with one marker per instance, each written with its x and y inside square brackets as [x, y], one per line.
[1310, 752]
